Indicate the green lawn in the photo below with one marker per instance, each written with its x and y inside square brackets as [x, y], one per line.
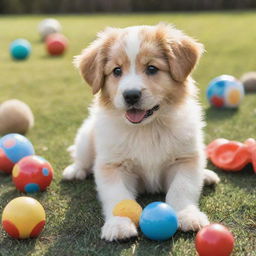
[59, 99]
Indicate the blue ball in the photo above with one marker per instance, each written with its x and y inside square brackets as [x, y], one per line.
[16, 146]
[158, 221]
[20, 49]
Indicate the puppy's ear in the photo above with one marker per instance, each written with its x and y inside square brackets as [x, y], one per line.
[183, 53]
[186, 54]
[91, 64]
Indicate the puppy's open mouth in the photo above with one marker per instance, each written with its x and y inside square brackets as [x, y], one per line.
[136, 116]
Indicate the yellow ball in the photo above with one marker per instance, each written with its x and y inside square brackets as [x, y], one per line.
[23, 217]
[128, 208]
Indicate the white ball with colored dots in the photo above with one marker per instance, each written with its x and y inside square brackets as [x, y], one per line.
[225, 91]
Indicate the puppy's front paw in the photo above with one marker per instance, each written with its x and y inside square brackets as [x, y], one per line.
[72, 172]
[118, 228]
[210, 177]
[191, 218]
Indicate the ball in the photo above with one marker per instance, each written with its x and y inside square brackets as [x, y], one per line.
[225, 91]
[158, 221]
[214, 239]
[15, 117]
[56, 44]
[48, 26]
[20, 49]
[32, 174]
[23, 217]
[249, 81]
[128, 208]
[13, 147]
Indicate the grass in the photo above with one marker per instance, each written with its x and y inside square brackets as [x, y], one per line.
[59, 99]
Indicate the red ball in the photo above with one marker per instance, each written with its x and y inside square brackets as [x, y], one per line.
[32, 174]
[214, 240]
[56, 44]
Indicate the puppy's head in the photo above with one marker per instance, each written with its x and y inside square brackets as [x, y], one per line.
[140, 70]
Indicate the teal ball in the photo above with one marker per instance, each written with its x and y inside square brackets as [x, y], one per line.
[20, 49]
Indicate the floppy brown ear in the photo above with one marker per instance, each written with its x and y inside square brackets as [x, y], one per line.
[184, 57]
[91, 65]
[182, 52]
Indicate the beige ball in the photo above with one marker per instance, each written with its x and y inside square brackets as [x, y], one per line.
[249, 81]
[15, 117]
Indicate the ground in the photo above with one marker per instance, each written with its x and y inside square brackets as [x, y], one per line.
[59, 99]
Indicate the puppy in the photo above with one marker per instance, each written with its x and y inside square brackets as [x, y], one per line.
[144, 131]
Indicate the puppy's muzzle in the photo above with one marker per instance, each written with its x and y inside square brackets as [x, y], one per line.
[131, 97]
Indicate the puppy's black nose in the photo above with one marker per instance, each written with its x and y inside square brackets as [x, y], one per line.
[131, 97]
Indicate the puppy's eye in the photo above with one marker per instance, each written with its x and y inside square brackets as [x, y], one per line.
[151, 70]
[117, 71]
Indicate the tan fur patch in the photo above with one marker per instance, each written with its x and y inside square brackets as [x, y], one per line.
[156, 50]
[112, 172]
[183, 52]
[117, 57]
[93, 59]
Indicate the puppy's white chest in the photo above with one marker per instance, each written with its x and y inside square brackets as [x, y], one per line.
[146, 147]
[151, 152]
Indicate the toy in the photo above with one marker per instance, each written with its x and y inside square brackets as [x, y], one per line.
[48, 26]
[15, 117]
[213, 240]
[23, 217]
[56, 44]
[128, 208]
[20, 49]
[232, 155]
[249, 81]
[158, 221]
[225, 91]
[211, 147]
[32, 174]
[13, 147]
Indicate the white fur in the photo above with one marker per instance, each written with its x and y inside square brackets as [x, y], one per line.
[133, 42]
[210, 177]
[117, 228]
[191, 218]
[131, 81]
[165, 155]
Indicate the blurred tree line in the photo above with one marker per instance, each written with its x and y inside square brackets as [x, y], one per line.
[79, 6]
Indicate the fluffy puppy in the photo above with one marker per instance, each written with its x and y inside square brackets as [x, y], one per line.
[144, 131]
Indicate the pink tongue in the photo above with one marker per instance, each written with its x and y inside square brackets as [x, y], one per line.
[135, 115]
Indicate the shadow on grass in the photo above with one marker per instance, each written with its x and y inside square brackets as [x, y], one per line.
[244, 179]
[208, 190]
[80, 232]
[5, 178]
[215, 114]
